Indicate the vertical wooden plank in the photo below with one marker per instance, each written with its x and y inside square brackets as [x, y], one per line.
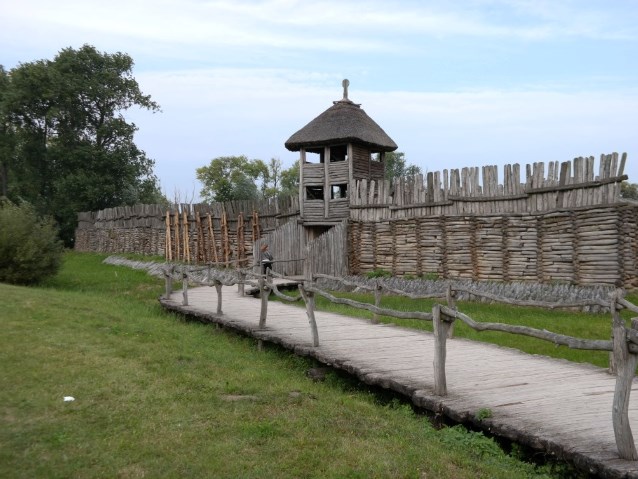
[589, 169]
[327, 189]
[446, 185]
[302, 188]
[430, 188]
[168, 249]
[621, 168]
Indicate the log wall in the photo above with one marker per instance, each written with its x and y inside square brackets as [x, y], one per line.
[578, 246]
[564, 226]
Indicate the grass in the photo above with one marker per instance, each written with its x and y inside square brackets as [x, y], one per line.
[159, 397]
[571, 323]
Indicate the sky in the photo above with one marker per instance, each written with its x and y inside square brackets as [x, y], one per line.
[454, 84]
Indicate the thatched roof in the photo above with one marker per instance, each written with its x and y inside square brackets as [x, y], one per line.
[343, 122]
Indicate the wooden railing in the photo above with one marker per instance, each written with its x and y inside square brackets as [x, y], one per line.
[210, 276]
[623, 345]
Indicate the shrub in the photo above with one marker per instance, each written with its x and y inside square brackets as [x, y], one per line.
[378, 273]
[30, 250]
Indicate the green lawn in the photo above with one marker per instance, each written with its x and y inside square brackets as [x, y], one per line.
[156, 396]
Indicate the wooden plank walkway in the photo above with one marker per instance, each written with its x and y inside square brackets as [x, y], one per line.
[552, 405]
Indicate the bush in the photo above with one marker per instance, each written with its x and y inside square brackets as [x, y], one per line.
[378, 273]
[30, 250]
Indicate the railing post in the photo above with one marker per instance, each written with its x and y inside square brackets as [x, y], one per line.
[168, 277]
[441, 328]
[309, 299]
[626, 363]
[240, 284]
[263, 293]
[377, 300]
[451, 303]
[218, 287]
[184, 287]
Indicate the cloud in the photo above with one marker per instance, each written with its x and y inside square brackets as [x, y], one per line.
[217, 28]
[253, 112]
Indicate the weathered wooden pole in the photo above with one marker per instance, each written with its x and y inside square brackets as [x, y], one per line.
[617, 327]
[309, 299]
[450, 295]
[241, 282]
[184, 286]
[441, 328]
[168, 249]
[218, 287]
[626, 363]
[263, 293]
[377, 300]
[168, 277]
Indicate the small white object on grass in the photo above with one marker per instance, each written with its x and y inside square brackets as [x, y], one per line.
[69, 398]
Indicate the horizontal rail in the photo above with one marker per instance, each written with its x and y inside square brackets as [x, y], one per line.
[560, 339]
[540, 304]
[370, 307]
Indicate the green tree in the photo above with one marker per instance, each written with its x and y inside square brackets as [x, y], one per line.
[229, 178]
[629, 191]
[272, 182]
[74, 150]
[396, 167]
[7, 134]
[290, 180]
[29, 247]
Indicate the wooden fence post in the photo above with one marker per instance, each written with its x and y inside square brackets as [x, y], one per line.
[218, 287]
[309, 299]
[617, 328]
[240, 284]
[168, 277]
[184, 286]
[263, 293]
[377, 301]
[626, 363]
[451, 303]
[441, 328]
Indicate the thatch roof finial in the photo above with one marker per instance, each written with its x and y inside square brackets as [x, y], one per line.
[345, 83]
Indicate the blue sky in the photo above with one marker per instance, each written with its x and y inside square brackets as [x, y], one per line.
[455, 84]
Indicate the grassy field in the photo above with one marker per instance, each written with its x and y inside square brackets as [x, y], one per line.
[156, 396]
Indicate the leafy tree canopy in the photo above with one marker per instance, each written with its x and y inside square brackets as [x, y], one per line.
[229, 178]
[396, 166]
[65, 145]
[629, 191]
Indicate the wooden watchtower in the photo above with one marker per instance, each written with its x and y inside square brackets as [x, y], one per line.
[340, 146]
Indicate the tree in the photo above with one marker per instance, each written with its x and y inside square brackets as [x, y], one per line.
[290, 180]
[229, 178]
[7, 134]
[395, 166]
[272, 181]
[29, 248]
[73, 150]
[629, 191]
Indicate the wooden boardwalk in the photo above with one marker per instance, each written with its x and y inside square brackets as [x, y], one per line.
[552, 405]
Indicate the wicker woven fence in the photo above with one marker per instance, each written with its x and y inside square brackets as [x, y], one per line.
[221, 232]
